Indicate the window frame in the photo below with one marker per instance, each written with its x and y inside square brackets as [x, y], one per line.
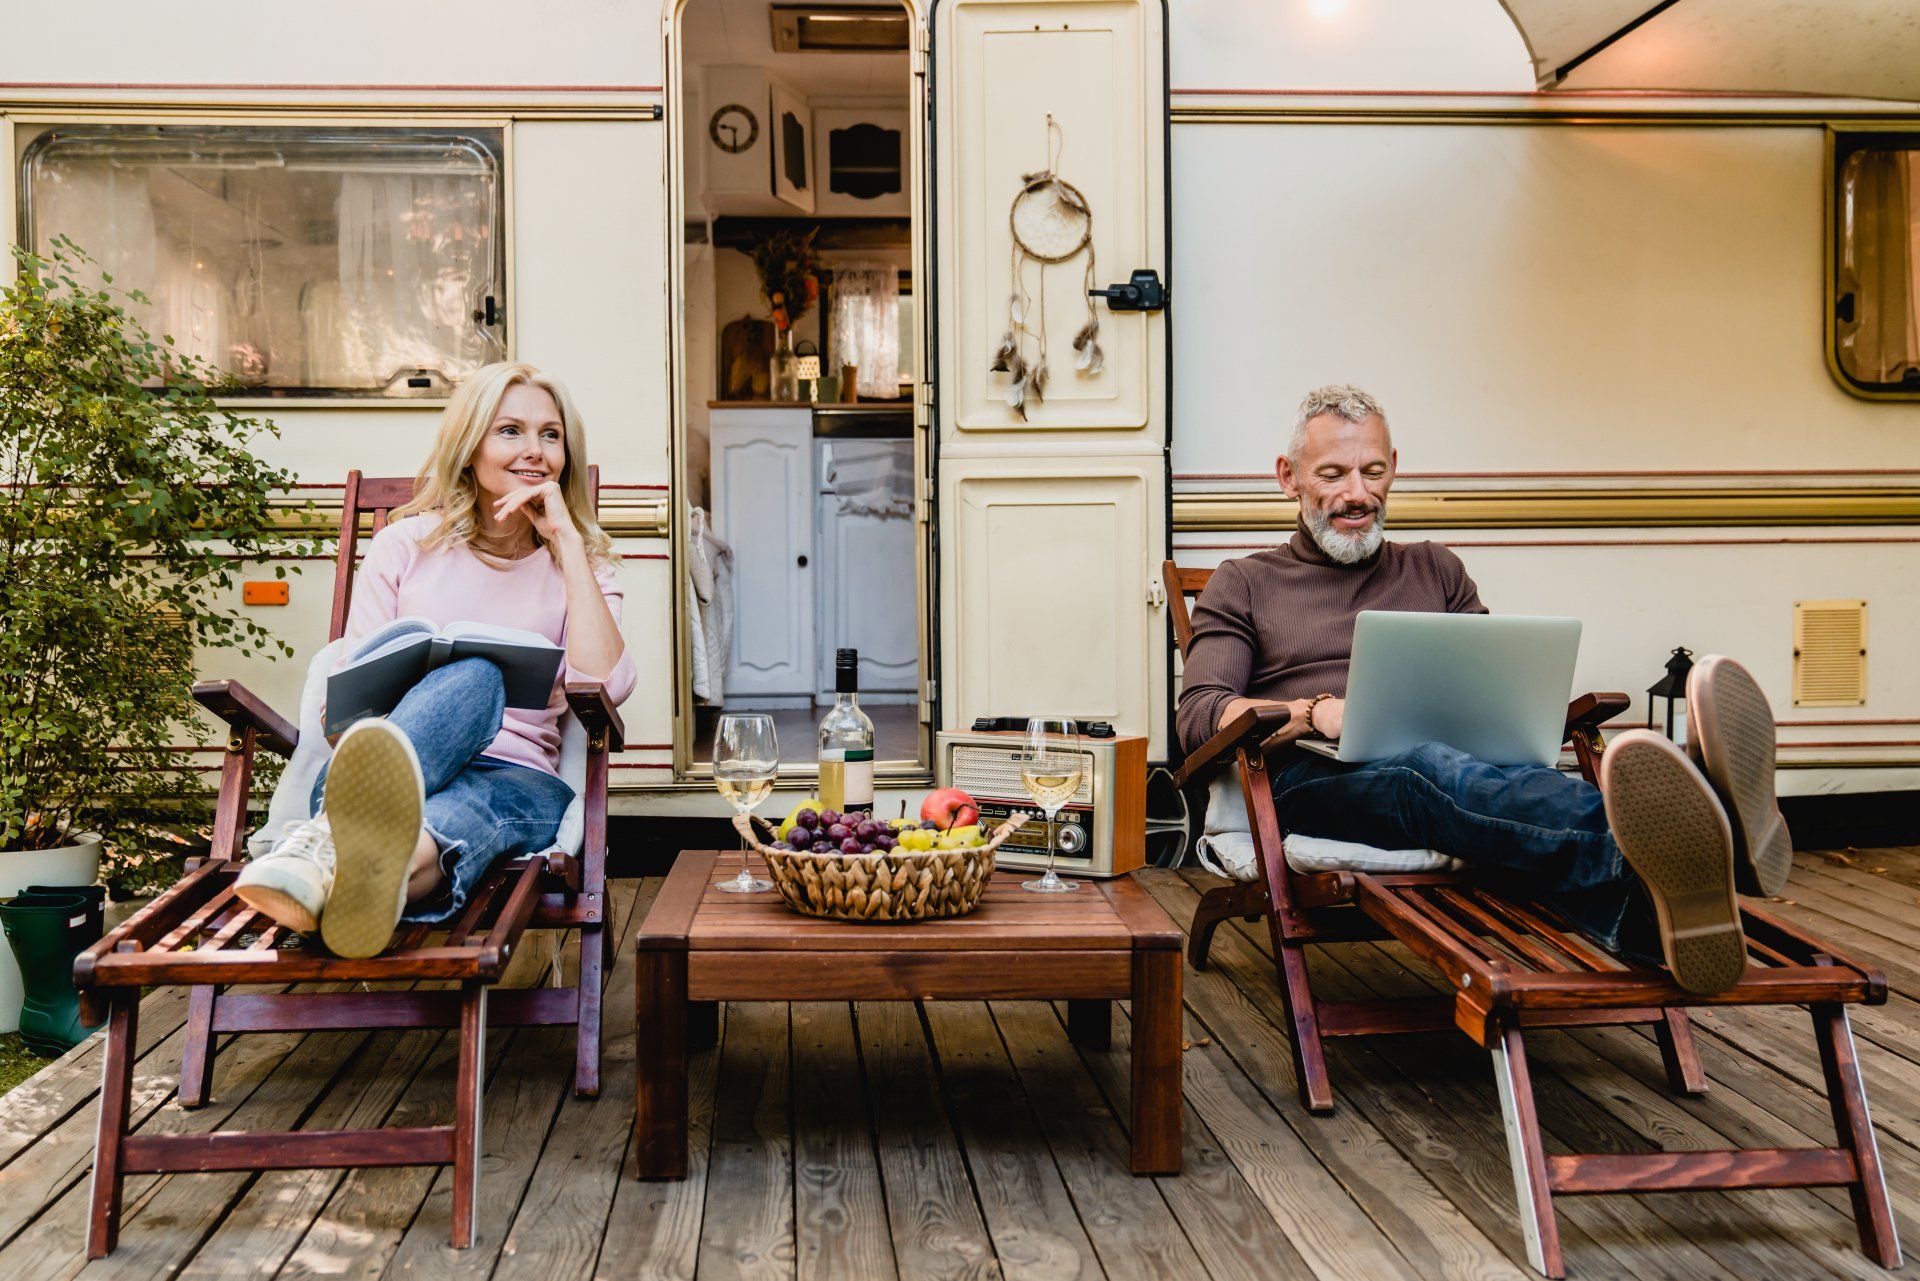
[22, 127]
[1843, 141]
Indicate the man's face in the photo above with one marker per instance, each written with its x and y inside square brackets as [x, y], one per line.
[1341, 479]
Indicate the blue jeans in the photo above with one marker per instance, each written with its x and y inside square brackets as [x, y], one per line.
[477, 808]
[1527, 831]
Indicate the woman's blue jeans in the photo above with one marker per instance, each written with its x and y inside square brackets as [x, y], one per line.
[477, 808]
[1525, 831]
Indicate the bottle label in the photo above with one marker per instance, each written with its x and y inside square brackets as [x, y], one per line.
[846, 778]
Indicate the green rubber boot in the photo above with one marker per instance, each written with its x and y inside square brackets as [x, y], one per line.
[47, 930]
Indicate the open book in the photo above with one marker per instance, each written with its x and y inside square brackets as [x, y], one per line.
[396, 657]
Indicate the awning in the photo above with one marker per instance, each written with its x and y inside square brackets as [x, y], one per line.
[1829, 48]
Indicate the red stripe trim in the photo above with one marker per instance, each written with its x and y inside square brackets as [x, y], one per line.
[1594, 542]
[1572, 475]
[1557, 95]
[170, 86]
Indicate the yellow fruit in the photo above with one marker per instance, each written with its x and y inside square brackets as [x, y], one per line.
[902, 824]
[811, 803]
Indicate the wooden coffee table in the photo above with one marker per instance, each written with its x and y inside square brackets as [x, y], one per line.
[1106, 941]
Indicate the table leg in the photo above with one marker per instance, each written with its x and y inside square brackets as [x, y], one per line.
[1090, 1023]
[660, 1052]
[1156, 1062]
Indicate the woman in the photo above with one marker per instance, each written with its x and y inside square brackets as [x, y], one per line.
[414, 807]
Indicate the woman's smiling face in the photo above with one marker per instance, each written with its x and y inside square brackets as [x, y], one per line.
[525, 444]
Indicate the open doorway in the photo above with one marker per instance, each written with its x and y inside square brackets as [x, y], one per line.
[797, 451]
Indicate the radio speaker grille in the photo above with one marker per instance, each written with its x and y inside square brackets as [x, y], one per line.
[1829, 653]
[993, 771]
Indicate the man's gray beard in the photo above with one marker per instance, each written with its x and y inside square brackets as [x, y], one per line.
[1345, 549]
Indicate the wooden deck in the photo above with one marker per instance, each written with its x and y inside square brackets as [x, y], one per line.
[972, 1140]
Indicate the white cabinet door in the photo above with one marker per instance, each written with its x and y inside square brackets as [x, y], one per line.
[763, 497]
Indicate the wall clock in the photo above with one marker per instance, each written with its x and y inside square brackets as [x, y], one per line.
[733, 128]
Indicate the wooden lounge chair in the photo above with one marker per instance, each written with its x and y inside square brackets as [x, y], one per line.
[198, 933]
[1513, 966]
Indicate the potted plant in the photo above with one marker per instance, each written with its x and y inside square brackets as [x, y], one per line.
[789, 283]
[129, 506]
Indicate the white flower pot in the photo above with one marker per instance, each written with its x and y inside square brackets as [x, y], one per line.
[76, 864]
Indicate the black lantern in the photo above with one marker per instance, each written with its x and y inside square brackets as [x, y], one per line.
[1671, 688]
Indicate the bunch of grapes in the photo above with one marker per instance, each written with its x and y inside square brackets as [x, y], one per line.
[831, 832]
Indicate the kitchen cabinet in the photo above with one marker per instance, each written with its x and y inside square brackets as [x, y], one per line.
[764, 499]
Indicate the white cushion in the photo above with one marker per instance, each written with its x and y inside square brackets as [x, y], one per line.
[1226, 849]
[292, 798]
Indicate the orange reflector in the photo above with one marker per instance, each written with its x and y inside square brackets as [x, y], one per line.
[263, 593]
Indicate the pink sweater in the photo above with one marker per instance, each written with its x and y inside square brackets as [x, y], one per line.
[398, 577]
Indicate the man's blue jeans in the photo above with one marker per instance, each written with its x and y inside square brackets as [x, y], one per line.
[1525, 831]
[477, 808]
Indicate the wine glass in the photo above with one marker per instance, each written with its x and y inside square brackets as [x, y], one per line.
[746, 760]
[1050, 771]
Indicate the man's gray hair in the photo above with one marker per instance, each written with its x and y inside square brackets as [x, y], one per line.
[1341, 399]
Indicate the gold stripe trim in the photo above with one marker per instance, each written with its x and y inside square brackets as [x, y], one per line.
[1351, 112]
[1577, 508]
[621, 515]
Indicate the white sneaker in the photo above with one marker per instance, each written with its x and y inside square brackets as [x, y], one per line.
[374, 801]
[291, 881]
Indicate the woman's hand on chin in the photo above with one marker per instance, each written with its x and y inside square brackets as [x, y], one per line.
[546, 507]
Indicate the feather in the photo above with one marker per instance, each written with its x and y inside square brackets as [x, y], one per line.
[1017, 392]
[1085, 358]
[1019, 312]
[1038, 384]
[1086, 335]
[1099, 360]
[1004, 355]
[1037, 175]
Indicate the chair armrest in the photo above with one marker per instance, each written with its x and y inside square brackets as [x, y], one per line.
[239, 707]
[1254, 725]
[588, 700]
[1591, 711]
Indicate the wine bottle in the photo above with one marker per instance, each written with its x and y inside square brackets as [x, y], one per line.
[846, 741]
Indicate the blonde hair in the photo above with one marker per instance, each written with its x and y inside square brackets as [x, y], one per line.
[446, 486]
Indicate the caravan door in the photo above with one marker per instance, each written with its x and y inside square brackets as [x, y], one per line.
[1052, 525]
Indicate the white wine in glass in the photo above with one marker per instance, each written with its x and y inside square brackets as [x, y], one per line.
[746, 761]
[1050, 771]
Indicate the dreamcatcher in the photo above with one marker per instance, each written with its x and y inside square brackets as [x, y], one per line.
[1051, 223]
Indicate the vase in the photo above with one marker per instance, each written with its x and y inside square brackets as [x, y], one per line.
[77, 864]
[783, 381]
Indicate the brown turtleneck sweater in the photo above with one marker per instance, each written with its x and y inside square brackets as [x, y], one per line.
[1279, 624]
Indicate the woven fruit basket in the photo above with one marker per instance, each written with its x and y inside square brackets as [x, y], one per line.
[897, 885]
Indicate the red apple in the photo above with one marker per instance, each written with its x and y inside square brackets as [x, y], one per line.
[949, 807]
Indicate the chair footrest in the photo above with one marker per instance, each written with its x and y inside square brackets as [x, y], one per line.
[1753, 1168]
[285, 1149]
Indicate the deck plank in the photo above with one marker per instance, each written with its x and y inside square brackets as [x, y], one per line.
[1029, 1213]
[1125, 1217]
[840, 1209]
[748, 1232]
[935, 1219]
[969, 1140]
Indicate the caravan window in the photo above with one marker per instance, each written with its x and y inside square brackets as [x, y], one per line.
[1876, 302]
[313, 261]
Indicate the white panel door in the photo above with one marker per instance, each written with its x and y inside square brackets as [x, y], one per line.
[1052, 527]
[763, 496]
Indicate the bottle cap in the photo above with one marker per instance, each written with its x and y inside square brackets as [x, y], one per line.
[846, 671]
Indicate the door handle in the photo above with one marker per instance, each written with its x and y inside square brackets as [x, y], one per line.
[1142, 292]
[801, 561]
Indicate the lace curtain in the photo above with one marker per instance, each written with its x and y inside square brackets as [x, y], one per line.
[1878, 190]
[865, 325]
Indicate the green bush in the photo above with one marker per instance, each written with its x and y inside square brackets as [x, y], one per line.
[130, 505]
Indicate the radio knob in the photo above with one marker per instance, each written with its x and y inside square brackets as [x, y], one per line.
[1072, 839]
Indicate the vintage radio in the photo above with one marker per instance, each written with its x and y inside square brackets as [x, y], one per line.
[1101, 831]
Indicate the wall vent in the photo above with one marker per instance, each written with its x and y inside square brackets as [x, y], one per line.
[1829, 653]
[838, 28]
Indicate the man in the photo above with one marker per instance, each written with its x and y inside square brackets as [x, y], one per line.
[1645, 864]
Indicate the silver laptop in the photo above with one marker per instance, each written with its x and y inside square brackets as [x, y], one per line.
[1492, 685]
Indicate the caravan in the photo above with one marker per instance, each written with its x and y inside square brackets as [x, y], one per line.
[1647, 337]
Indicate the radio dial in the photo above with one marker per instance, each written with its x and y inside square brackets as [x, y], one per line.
[1072, 839]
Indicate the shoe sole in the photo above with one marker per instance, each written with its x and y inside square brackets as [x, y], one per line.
[373, 803]
[1672, 830]
[1732, 724]
[278, 905]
